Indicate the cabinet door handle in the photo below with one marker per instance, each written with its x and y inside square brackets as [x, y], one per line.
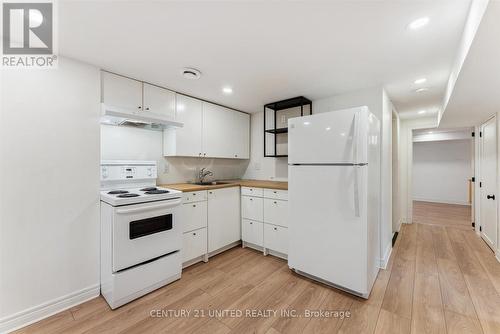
[275, 192]
[251, 223]
[204, 154]
[491, 197]
[275, 202]
[147, 108]
[194, 233]
[194, 205]
[210, 192]
[251, 199]
[275, 228]
[139, 107]
[236, 155]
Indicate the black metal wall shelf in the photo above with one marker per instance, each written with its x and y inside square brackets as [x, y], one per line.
[276, 117]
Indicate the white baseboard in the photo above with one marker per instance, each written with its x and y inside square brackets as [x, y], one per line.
[42, 311]
[444, 201]
[387, 255]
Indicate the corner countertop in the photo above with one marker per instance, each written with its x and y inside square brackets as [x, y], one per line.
[186, 187]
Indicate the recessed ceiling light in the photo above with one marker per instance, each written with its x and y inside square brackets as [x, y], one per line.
[421, 112]
[227, 90]
[418, 23]
[420, 81]
[421, 90]
[190, 73]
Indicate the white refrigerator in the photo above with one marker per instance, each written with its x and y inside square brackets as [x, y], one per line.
[334, 198]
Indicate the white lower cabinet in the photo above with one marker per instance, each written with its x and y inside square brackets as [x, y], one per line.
[276, 238]
[252, 232]
[224, 226]
[275, 212]
[193, 215]
[194, 244]
[264, 219]
[252, 208]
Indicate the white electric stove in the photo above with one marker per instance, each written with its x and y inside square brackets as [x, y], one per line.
[141, 238]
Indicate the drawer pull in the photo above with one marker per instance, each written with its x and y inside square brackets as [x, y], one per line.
[251, 223]
[251, 189]
[275, 202]
[210, 192]
[275, 228]
[275, 192]
[194, 194]
[251, 199]
[194, 233]
[194, 205]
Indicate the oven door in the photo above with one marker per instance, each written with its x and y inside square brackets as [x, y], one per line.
[142, 232]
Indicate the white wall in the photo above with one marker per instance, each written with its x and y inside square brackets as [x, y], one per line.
[259, 167]
[396, 148]
[49, 190]
[128, 143]
[405, 162]
[441, 170]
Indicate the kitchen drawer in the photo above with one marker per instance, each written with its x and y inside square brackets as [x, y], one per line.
[252, 208]
[194, 244]
[193, 216]
[276, 238]
[194, 196]
[252, 232]
[248, 191]
[276, 212]
[276, 194]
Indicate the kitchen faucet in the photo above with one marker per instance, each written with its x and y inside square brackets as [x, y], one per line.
[203, 173]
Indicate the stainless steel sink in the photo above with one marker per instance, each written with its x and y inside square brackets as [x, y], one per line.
[213, 183]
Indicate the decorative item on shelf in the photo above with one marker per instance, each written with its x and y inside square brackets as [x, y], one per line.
[276, 115]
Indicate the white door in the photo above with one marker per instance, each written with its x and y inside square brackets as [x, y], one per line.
[159, 101]
[224, 225]
[186, 141]
[332, 137]
[328, 224]
[122, 93]
[488, 181]
[240, 134]
[217, 122]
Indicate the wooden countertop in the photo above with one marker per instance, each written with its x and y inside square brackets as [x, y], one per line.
[186, 187]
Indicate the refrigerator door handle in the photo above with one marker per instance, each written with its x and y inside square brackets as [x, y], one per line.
[356, 192]
[355, 138]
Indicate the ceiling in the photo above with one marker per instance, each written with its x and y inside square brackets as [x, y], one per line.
[267, 51]
[476, 97]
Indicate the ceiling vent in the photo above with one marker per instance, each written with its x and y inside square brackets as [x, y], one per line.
[190, 73]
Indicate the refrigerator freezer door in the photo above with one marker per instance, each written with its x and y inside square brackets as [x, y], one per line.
[328, 229]
[336, 137]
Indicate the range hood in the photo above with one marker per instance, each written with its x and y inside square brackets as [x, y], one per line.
[144, 119]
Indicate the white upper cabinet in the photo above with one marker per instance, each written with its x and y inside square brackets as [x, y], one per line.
[185, 141]
[121, 93]
[217, 131]
[241, 135]
[159, 100]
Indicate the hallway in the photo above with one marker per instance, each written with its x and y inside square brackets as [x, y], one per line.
[450, 215]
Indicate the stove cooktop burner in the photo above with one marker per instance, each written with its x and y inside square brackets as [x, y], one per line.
[156, 192]
[128, 195]
[117, 192]
[149, 189]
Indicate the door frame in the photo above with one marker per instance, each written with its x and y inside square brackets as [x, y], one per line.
[480, 158]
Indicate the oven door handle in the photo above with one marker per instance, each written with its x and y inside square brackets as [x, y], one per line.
[169, 204]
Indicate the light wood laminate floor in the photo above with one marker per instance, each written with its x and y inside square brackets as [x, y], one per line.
[440, 279]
